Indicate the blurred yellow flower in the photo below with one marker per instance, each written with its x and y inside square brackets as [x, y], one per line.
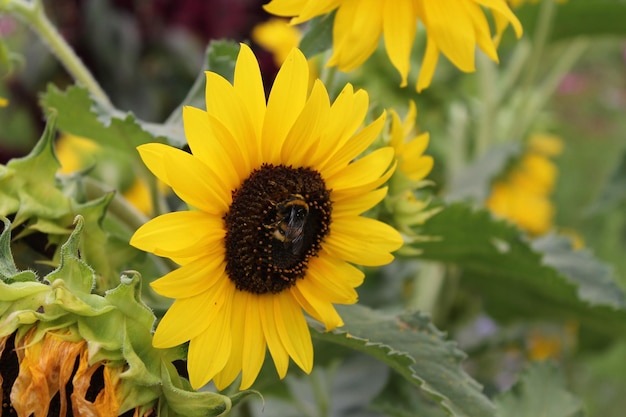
[410, 153]
[76, 153]
[453, 27]
[3, 102]
[278, 37]
[523, 197]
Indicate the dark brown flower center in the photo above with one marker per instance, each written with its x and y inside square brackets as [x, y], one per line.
[277, 221]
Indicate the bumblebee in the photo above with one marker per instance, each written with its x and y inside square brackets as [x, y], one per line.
[291, 218]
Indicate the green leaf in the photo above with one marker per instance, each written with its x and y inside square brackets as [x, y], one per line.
[576, 18]
[413, 347]
[27, 185]
[7, 267]
[181, 401]
[474, 181]
[399, 399]
[318, 36]
[515, 276]
[614, 192]
[540, 392]
[81, 115]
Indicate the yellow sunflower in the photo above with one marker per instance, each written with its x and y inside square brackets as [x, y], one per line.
[276, 224]
[409, 148]
[453, 27]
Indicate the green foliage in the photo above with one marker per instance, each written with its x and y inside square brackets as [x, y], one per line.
[119, 324]
[577, 18]
[540, 392]
[65, 261]
[318, 36]
[413, 347]
[521, 278]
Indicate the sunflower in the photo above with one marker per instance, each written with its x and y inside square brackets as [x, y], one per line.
[275, 225]
[453, 27]
[523, 195]
[409, 148]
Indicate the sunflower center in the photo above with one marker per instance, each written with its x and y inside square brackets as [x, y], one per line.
[277, 221]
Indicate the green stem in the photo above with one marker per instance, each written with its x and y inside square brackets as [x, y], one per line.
[33, 14]
[544, 26]
[489, 104]
[457, 134]
[428, 285]
[527, 102]
[320, 393]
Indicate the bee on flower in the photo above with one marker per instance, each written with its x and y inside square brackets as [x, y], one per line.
[274, 225]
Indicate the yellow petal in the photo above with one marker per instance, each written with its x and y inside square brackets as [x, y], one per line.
[184, 320]
[368, 244]
[356, 32]
[328, 265]
[429, 63]
[225, 104]
[482, 31]
[362, 172]
[332, 288]
[179, 233]
[355, 205]
[284, 104]
[211, 349]
[502, 10]
[152, 155]
[249, 85]
[237, 322]
[190, 179]
[317, 307]
[451, 29]
[192, 279]
[253, 342]
[421, 169]
[276, 348]
[293, 330]
[285, 7]
[399, 25]
[210, 145]
[337, 195]
[346, 116]
[195, 183]
[301, 141]
[316, 8]
[239, 154]
[353, 148]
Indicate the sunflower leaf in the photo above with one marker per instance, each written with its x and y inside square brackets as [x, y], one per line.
[515, 276]
[7, 267]
[318, 36]
[411, 345]
[82, 115]
[540, 392]
[27, 185]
